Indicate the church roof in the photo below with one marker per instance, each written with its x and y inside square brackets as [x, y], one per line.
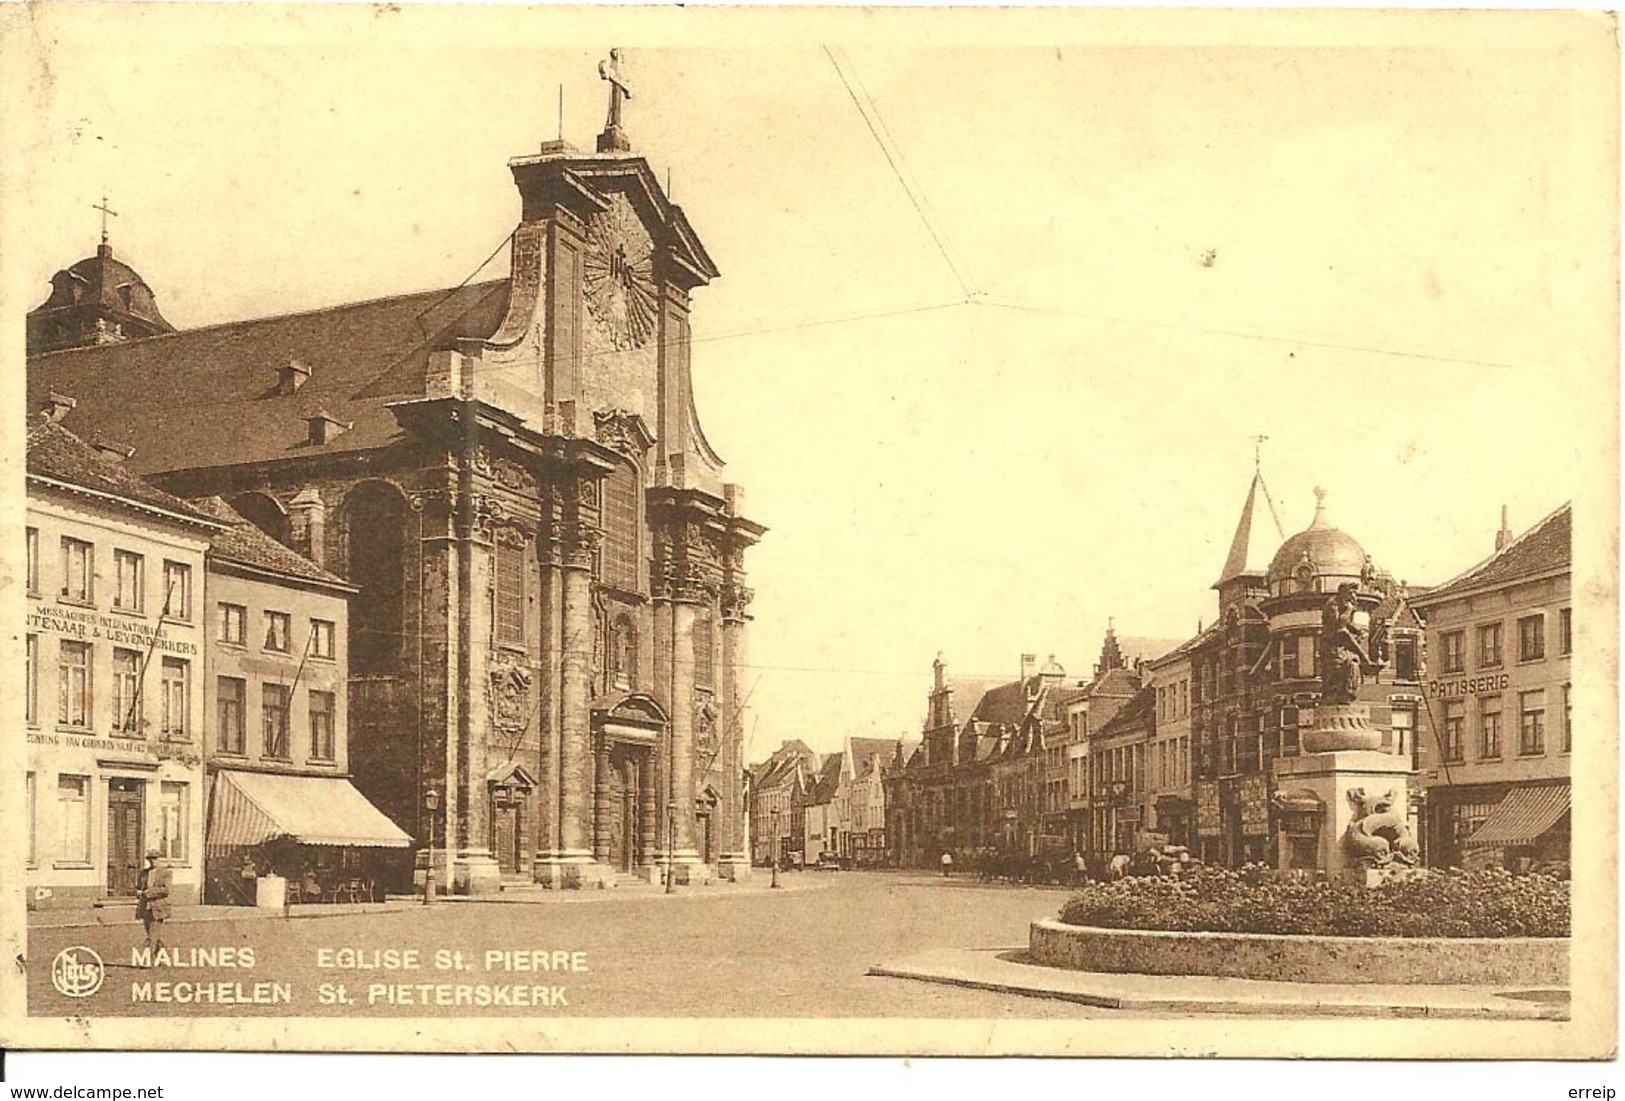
[105, 281]
[209, 397]
[1258, 533]
[58, 455]
[246, 545]
[1545, 547]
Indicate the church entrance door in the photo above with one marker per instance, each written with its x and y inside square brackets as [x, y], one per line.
[507, 827]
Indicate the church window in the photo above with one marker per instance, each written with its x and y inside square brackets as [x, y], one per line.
[620, 547]
[263, 511]
[704, 656]
[375, 520]
[509, 594]
[623, 654]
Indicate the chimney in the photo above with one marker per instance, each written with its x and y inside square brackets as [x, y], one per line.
[112, 452]
[308, 527]
[1503, 537]
[324, 427]
[57, 406]
[291, 376]
[1029, 665]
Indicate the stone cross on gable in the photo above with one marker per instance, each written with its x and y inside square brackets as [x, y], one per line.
[614, 138]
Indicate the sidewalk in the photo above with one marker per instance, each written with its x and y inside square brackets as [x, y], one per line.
[759, 883]
[124, 914]
[1001, 970]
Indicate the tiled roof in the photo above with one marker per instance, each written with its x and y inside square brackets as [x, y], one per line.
[865, 750]
[1542, 548]
[247, 545]
[1115, 682]
[58, 454]
[208, 397]
[1006, 703]
[829, 779]
[1134, 714]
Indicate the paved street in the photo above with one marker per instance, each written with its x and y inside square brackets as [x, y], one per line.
[718, 951]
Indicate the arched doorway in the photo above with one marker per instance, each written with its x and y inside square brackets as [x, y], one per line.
[632, 728]
[510, 786]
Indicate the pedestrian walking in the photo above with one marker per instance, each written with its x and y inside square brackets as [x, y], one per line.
[947, 864]
[152, 887]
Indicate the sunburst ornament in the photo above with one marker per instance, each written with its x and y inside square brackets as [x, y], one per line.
[618, 275]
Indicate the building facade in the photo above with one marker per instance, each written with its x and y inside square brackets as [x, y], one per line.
[1495, 759]
[113, 678]
[547, 649]
[777, 786]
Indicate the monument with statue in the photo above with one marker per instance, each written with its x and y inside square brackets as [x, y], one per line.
[1348, 790]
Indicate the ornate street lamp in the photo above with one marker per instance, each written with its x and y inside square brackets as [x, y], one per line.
[431, 803]
[671, 847]
[774, 855]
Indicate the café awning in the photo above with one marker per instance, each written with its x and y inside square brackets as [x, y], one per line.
[1522, 817]
[251, 807]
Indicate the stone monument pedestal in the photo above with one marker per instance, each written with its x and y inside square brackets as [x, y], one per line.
[1344, 770]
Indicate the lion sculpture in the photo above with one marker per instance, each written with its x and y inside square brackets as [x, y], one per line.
[1379, 836]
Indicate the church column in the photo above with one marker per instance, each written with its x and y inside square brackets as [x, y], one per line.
[681, 732]
[734, 861]
[474, 870]
[648, 809]
[552, 621]
[571, 864]
[601, 811]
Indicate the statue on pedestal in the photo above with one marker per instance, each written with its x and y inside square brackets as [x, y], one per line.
[1344, 660]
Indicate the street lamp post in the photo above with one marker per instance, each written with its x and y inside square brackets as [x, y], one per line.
[671, 846]
[431, 803]
[774, 855]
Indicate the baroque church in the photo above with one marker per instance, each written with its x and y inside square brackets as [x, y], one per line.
[549, 643]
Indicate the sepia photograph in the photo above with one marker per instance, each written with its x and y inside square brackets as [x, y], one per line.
[810, 531]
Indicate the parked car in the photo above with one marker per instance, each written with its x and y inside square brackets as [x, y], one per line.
[827, 862]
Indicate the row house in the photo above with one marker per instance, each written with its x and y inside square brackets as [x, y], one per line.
[1495, 768]
[821, 830]
[778, 790]
[860, 800]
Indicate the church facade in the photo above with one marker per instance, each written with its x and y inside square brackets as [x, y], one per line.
[548, 647]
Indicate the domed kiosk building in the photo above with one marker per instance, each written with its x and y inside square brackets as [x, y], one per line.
[1316, 655]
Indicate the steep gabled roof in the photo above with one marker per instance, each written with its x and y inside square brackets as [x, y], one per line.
[1005, 704]
[864, 751]
[828, 782]
[208, 397]
[1258, 534]
[1133, 715]
[244, 544]
[1542, 549]
[56, 455]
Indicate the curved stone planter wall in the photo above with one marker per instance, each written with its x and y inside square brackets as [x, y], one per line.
[1513, 961]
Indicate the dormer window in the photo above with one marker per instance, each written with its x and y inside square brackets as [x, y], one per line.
[323, 427]
[291, 376]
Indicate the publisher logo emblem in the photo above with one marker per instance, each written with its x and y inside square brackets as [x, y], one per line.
[77, 972]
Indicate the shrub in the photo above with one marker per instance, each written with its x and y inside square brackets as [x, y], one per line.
[1452, 903]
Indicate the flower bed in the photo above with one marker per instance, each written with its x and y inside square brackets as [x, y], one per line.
[1451, 904]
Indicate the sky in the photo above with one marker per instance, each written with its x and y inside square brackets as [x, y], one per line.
[986, 410]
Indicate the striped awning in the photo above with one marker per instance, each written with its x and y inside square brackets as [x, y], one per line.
[250, 807]
[1522, 817]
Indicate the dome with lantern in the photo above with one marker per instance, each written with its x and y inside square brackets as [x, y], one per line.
[1318, 558]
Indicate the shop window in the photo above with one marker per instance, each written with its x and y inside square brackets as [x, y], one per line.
[277, 626]
[1455, 720]
[274, 719]
[231, 697]
[233, 624]
[1532, 638]
[32, 562]
[172, 807]
[1451, 658]
[73, 684]
[321, 639]
[1489, 726]
[78, 571]
[126, 691]
[1532, 723]
[31, 681]
[178, 591]
[129, 570]
[73, 819]
[177, 704]
[321, 726]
